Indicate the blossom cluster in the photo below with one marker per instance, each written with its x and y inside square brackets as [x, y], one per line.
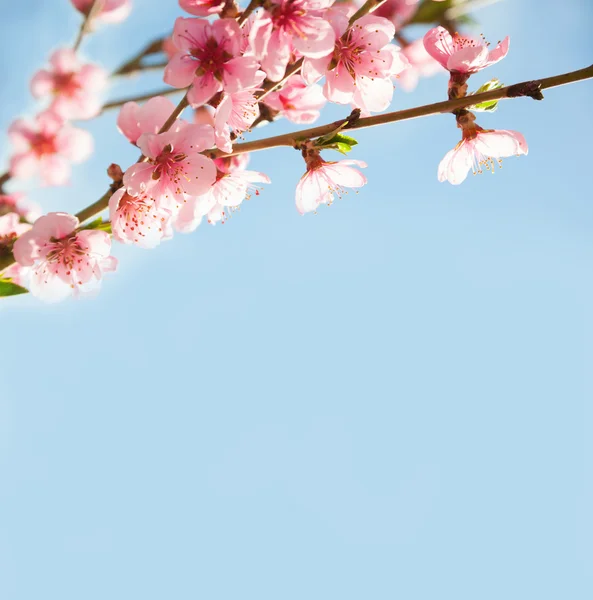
[279, 59]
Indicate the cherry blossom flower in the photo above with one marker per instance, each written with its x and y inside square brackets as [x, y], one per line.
[202, 8]
[138, 220]
[234, 114]
[360, 67]
[111, 11]
[134, 120]
[233, 185]
[297, 101]
[175, 168]
[47, 146]
[478, 150]
[291, 25]
[75, 87]
[210, 59]
[63, 261]
[324, 179]
[460, 54]
[421, 64]
[10, 229]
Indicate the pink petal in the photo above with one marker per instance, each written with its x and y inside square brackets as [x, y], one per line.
[138, 178]
[499, 52]
[456, 164]
[75, 144]
[180, 71]
[24, 165]
[54, 169]
[468, 60]
[42, 84]
[501, 143]
[318, 45]
[203, 89]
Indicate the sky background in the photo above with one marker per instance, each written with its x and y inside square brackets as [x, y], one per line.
[391, 399]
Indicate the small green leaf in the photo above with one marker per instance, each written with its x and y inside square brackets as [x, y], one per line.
[7, 288]
[340, 142]
[489, 105]
[99, 225]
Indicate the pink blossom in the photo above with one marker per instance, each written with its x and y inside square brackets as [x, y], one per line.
[460, 54]
[480, 149]
[421, 65]
[74, 87]
[175, 168]
[47, 146]
[324, 179]
[360, 68]
[16, 203]
[235, 114]
[209, 58]
[202, 8]
[297, 101]
[63, 261]
[111, 11]
[233, 185]
[134, 120]
[287, 26]
[138, 220]
[10, 229]
[398, 12]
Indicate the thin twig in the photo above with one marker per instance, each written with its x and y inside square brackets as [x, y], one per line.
[86, 24]
[141, 98]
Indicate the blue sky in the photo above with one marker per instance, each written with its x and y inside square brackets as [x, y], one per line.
[391, 399]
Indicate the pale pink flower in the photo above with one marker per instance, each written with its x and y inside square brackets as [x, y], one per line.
[10, 229]
[360, 68]
[134, 120]
[175, 168]
[297, 101]
[324, 179]
[233, 185]
[16, 203]
[478, 150]
[47, 146]
[210, 59]
[287, 26]
[202, 8]
[234, 114]
[460, 54]
[63, 261]
[398, 12]
[74, 87]
[421, 64]
[111, 11]
[138, 220]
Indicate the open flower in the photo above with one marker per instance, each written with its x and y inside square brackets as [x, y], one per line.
[175, 168]
[360, 67]
[233, 185]
[134, 120]
[234, 114]
[75, 88]
[325, 179]
[110, 11]
[478, 150]
[297, 101]
[138, 220]
[291, 25]
[209, 57]
[48, 146]
[461, 54]
[63, 261]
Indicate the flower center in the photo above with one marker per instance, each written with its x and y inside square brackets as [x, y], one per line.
[43, 144]
[66, 84]
[67, 252]
[288, 17]
[169, 163]
[211, 57]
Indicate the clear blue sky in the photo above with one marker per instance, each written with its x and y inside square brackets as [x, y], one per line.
[391, 399]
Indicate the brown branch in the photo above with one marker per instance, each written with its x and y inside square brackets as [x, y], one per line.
[135, 63]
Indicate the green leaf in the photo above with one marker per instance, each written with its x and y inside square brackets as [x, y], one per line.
[340, 142]
[489, 105]
[7, 288]
[99, 225]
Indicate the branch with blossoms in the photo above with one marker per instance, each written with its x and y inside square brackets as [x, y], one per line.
[237, 69]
